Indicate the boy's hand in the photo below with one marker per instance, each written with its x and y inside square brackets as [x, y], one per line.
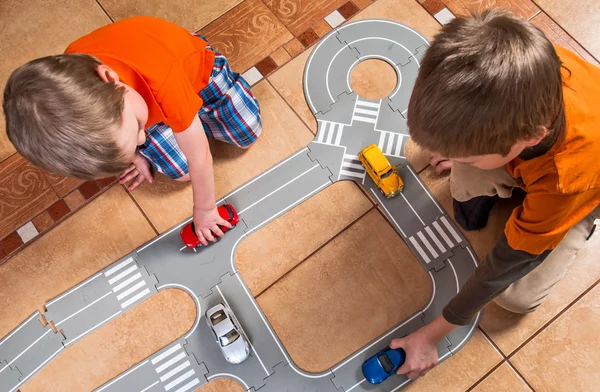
[207, 224]
[421, 353]
[138, 171]
[440, 164]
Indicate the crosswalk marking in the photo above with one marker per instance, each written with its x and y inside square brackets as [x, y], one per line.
[419, 249]
[128, 284]
[118, 267]
[450, 229]
[330, 133]
[351, 167]
[177, 368]
[424, 239]
[391, 143]
[366, 111]
[442, 233]
[435, 239]
[428, 245]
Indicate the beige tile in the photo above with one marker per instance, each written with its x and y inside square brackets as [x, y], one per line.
[38, 29]
[503, 379]
[460, 371]
[339, 299]
[565, 356]
[118, 345]
[169, 202]
[524, 8]
[294, 47]
[96, 236]
[509, 330]
[560, 37]
[280, 56]
[74, 200]
[193, 15]
[373, 79]
[221, 385]
[247, 34]
[281, 245]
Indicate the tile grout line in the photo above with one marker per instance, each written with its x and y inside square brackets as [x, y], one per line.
[290, 106]
[105, 11]
[316, 250]
[140, 208]
[520, 375]
[543, 327]
[491, 342]
[487, 374]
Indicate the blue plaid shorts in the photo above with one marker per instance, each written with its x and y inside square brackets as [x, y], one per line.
[230, 113]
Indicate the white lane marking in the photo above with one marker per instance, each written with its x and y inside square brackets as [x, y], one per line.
[126, 282]
[455, 275]
[472, 255]
[435, 239]
[411, 207]
[451, 229]
[31, 345]
[278, 189]
[176, 370]
[118, 267]
[355, 385]
[364, 119]
[162, 356]
[330, 134]
[94, 327]
[70, 291]
[229, 375]
[130, 290]
[323, 131]
[250, 343]
[388, 212]
[182, 248]
[401, 385]
[381, 140]
[36, 314]
[145, 389]
[123, 375]
[338, 137]
[366, 111]
[425, 189]
[427, 244]
[352, 174]
[37, 368]
[179, 380]
[419, 249]
[443, 234]
[170, 362]
[122, 274]
[353, 166]
[398, 147]
[265, 173]
[189, 385]
[368, 104]
[135, 298]
[84, 308]
[191, 293]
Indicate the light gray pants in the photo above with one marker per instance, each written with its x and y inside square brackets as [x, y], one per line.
[527, 293]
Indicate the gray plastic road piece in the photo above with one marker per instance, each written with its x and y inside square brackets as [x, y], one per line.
[347, 123]
[9, 377]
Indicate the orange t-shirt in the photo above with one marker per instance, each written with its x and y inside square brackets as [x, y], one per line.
[163, 62]
[563, 185]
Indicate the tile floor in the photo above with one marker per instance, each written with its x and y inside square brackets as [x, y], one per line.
[54, 231]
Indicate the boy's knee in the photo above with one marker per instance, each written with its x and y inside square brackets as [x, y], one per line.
[516, 303]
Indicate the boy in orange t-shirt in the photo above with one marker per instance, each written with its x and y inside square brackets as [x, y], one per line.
[137, 93]
[508, 112]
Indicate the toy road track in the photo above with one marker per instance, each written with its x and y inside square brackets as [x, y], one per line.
[347, 123]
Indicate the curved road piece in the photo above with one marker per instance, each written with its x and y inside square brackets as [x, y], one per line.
[347, 123]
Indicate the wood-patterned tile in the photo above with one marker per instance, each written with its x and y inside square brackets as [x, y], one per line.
[298, 15]
[62, 185]
[524, 8]
[246, 34]
[24, 193]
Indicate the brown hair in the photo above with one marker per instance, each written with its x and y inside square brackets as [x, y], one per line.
[485, 83]
[62, 117]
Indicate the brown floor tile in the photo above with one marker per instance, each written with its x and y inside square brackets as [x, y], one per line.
[104, 182]
[221, 385]
[24, 193]
[169, 202]
[363, 3]
[2, 254]
[118, 345]
[298, 15]
[509, 330]
[74, 200]
[294, 47]
[579, 18]
[247, 34]
[11, 242]
[266, 66]
[96, 236]
[503, 379]
[559, 37]
[193, 15]
[281, 245]
[565, 356]
[321, 28]
[88, 189]
[43, 221]
[281, 56]
[58, 210]
[524, 8]
[38, 29]
[308, 38]
[433, 6]
[417, 157]
[348, 10]
[62, 185]
[337, 301]
[462, 370]
[373, 79]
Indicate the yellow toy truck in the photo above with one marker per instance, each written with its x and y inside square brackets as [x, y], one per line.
[383, 174]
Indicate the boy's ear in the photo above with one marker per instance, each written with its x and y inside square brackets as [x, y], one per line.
[107, 74]
[541, 134]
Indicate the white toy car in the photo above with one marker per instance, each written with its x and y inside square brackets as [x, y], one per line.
[228, 334]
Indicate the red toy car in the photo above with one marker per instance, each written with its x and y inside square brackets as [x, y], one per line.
[188, 233]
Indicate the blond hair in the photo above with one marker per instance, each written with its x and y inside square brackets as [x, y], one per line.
[485, 83]
[63, 118]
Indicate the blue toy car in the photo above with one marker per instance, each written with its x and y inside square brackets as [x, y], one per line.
[383, 364]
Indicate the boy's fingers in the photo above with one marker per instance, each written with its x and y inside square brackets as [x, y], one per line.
[208, 234]
[126, 171]
[223, 222]
[147, 174]
[138, 180]
[133, 174]
[397, 343]
[404, 369]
